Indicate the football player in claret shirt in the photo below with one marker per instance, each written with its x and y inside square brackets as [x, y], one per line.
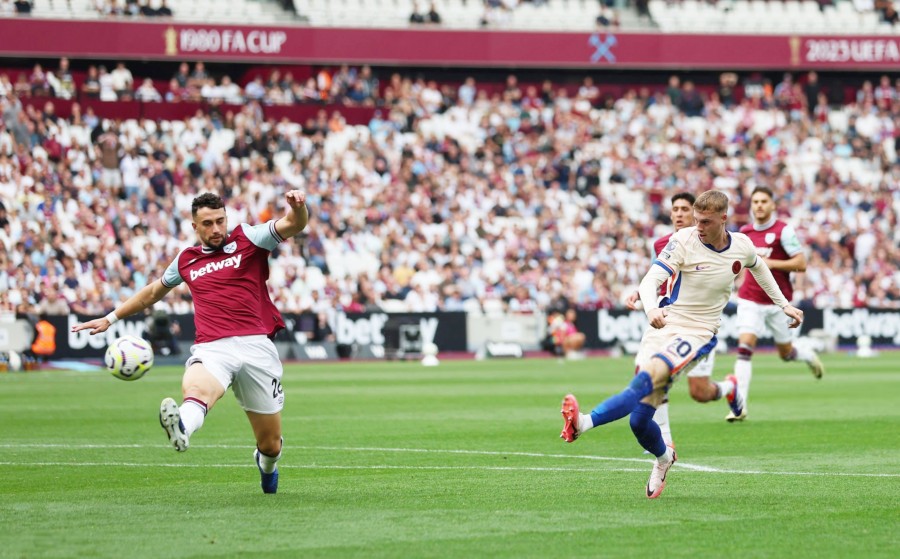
[235, 321]
[709, 258]
[777, 244]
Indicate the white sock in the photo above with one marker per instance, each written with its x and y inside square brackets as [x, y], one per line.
[804, 354]
[667, 457]
[743, 370]
[661, 417]
[268, 463]
[725, 388]
[585, 422]
[192, 415]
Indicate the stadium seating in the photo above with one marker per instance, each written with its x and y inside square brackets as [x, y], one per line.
[685, 16]
[573, 15]
[586, 244]
[753, 16]
[218, 11]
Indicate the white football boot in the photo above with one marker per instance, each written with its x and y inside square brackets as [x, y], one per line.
[170, 419]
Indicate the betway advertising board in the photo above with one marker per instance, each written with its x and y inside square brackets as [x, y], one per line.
[362, 331]
[365, 332]
[610, 328]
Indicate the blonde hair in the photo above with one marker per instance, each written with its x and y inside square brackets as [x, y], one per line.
[712, 201]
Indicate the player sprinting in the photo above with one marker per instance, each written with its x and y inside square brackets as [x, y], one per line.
[777, 244]
[682, 215]
[234, 318]
[709, 259]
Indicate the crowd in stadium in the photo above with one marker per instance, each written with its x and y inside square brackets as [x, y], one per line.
[529, 197]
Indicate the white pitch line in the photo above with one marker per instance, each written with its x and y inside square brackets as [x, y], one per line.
[314, 467]
[424, 468]
[679, 465]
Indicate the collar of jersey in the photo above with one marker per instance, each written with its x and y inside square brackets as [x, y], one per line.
[728, 246]
[766, 225]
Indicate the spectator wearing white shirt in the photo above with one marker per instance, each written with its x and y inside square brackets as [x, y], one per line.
[122, 82]
[147, 92]
[231, 92]
[107, 92]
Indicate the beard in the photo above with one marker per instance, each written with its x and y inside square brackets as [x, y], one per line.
[216, 246]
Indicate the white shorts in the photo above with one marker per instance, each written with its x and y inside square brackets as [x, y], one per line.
[759, 320]
[250, 365]
[702, 368]
[685, 350]
[111, 178]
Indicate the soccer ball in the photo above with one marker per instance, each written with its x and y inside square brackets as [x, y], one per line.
[129, 358]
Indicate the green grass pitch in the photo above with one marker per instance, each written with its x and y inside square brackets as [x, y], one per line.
[462, 460]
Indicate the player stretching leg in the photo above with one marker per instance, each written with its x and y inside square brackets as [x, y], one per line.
[235, 321]
[683, 333]
[682, 215]
[777, 244]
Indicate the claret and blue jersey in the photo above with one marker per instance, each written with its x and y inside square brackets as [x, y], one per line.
[231, 278]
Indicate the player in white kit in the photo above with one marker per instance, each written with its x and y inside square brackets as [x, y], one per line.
[709, 258]
[682, 215]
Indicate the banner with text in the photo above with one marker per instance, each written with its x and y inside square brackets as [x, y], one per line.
[365, 332]
[362, 332]
[611, 328]
[171, 41]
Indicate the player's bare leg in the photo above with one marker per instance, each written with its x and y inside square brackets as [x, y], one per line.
[200, 391]
[790, 352]
[703, 390]
[267, 430]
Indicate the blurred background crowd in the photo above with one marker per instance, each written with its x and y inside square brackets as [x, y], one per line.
[456, 195]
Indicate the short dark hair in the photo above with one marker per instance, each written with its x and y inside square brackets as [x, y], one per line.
[684, 196]
[206, 200]
[765, 190]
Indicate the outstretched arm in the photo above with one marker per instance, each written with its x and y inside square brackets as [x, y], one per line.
[297, 216]
[766, 280]
[796, 263]
[144, 298]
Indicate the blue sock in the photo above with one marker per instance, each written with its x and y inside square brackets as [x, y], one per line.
[619, 405]
[646, 430]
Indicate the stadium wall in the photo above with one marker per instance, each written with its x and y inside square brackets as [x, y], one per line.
[620, 50]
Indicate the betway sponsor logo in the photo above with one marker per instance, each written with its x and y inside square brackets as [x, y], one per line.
[859, 322]
[230, 41]
[231, 262]
[82, 339]
[368, 329]
[621, 328]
